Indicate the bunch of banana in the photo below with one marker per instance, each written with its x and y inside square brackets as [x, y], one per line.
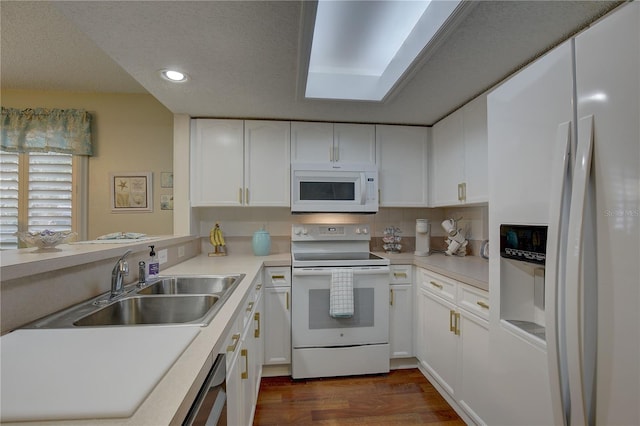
[215, 236]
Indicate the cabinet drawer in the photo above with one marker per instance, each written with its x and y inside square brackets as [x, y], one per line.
[473, 300]
[277, 277]
[401, 274]
[438, 284]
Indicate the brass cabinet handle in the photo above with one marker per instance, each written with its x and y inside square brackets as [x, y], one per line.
[245, 354]
[256, 318]
[277, 277]
[287, 301]
[435, 284]
[457, 330]
[452, 327]
[464, 191]
[400, 274]
[250, 306]
[240, 195]
[482, 304]
[235, 339]
[246, 196]
[258, 287]
[391, 297]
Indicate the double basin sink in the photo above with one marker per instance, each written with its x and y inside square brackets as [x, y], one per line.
[187, 300]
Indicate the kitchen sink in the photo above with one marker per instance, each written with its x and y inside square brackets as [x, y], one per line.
[191, 285]
[137, 310]
[171, 300]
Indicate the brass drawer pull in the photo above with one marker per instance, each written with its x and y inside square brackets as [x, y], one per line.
[400, 275]
[482, 304]
[235, 339]
[245, 354]
[287, 301]
[391, 297]
[435, 284]
[457, 330]
[250, 306]
[452, 315]
[256, 332]
[277, 277]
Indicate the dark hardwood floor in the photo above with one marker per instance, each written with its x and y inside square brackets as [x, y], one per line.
[402, 397]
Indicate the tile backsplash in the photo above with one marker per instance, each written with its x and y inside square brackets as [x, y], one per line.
[237, 223]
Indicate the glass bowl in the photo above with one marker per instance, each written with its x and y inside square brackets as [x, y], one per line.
[45, 240]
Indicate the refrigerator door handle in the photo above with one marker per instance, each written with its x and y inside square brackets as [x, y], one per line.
[574, 278]
[556, 242]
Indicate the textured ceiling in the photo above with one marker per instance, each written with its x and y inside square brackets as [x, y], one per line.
[243, 56]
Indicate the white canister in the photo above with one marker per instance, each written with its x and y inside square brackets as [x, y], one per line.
[423, 246]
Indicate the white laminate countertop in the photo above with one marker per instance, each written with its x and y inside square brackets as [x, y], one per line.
[472, 270]
[170, 399]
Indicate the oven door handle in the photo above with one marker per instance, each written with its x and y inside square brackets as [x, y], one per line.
[373, 270]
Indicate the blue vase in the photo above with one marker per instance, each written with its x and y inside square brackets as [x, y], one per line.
[261, 243]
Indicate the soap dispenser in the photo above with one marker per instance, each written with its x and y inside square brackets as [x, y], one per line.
[153, 265]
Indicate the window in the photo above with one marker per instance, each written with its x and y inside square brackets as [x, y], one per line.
[38, 191]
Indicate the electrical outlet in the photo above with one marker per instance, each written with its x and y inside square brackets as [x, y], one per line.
[180, 251]
[163, 256]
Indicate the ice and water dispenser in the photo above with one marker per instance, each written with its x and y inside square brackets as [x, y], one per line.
[522, 271]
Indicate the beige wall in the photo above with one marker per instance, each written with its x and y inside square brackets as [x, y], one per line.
[132, 133]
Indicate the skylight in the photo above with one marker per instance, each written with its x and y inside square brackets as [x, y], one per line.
[361, 48]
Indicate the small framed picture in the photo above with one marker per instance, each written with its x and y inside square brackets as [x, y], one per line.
[131, 192]
[166, 202]
[166, 179]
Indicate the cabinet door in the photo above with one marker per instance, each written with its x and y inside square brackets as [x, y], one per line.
[474, 365]
[476, 164]
[447, 160]
[235, 392]
[441, 341]
[217, 162]
[354, 143]
[267, 150]
[402, 161]
[400, 321]
[277, 325]
[311, 142]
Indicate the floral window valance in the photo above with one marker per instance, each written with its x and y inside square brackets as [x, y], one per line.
[46, 130]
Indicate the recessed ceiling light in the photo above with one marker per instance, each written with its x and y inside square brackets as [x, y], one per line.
[174, 76]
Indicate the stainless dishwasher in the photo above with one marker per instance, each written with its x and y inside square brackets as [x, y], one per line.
[210, 406]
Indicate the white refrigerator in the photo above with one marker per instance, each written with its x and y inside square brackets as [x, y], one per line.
[564, 153]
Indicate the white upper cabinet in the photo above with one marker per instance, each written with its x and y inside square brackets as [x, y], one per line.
[459, 161]
[217, 171]
[402, 161]
[328, 142]
[238, 163]
[267, 163]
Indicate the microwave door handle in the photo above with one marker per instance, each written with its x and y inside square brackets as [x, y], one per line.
[363, 189]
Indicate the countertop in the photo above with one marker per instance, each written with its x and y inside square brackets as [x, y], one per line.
[472, 270]
[170, 399]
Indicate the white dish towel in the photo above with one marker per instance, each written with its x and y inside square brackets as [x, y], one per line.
[341, 293]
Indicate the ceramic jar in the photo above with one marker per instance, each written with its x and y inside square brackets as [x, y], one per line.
[261, 243]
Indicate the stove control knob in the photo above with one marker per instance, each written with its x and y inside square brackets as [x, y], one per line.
[304, 231]
[297, 231]
[358, 231]
[365, 231]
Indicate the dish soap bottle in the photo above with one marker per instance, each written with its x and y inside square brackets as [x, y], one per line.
[153, 265]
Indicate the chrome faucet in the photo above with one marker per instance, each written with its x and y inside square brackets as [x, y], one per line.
[120, 269]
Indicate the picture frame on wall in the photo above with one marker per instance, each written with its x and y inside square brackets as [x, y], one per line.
[131, 192]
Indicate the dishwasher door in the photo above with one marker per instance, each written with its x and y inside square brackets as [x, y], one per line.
[210, 406]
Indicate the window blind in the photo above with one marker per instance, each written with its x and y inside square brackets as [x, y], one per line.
[48, 194]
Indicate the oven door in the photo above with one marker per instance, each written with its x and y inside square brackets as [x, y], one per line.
[312, 326]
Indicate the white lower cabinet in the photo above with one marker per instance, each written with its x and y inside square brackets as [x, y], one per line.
[244, 346]
[277, 311]
[401, 312]
[452, 342]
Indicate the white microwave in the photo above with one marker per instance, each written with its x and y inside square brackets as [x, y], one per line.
[334, 188]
